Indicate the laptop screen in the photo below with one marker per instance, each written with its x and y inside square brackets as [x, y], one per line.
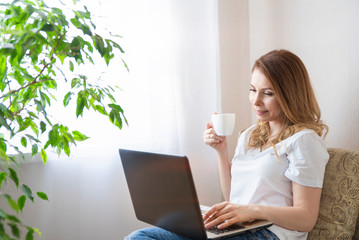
[163, 192]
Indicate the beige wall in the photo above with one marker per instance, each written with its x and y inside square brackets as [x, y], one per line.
[325, 34]
[233, 24]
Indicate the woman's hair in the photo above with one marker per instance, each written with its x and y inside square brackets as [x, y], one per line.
[293, 90]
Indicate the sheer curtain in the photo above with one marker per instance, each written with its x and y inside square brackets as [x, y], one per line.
[172, 88]
[170, 92]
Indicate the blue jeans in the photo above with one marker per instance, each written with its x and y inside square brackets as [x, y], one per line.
[154, 233]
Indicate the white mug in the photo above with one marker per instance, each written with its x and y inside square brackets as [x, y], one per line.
[223, 124]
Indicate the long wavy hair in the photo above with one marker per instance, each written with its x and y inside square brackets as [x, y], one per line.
[293, 90]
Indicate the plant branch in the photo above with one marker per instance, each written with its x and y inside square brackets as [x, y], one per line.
[40, 73]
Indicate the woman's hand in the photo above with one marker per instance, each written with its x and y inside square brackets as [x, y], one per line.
[225, 214]
[210, 138]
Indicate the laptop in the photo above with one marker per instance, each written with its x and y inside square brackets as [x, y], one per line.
[163, 194]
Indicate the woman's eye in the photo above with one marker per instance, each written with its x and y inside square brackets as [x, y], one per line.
[268, 93]
[252, 90]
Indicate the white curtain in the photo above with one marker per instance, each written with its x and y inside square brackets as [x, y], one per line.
[170, 92]
[172, 51]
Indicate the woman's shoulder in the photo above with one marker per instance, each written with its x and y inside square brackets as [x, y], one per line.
[304, 134]
[306, 140]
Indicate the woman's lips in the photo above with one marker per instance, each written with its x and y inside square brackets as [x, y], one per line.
[261, 113]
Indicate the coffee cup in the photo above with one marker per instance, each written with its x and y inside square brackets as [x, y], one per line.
[223, 123]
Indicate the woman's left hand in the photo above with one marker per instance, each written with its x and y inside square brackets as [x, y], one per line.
[225, 214]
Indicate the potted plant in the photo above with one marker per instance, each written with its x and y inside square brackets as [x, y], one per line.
[39, 53]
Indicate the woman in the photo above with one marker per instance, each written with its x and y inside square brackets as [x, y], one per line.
[278, 168]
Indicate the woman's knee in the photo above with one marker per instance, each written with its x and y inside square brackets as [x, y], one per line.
[154, 233]
[138, 234]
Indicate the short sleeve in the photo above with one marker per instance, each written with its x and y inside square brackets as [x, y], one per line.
[307, 158]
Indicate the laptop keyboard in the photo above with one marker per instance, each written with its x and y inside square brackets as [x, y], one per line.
[233, 227]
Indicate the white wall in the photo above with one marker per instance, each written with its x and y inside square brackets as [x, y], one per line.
[325, 35]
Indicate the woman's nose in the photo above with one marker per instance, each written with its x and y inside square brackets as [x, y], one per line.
[257, 101]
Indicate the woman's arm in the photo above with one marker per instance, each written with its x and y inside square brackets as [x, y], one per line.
[219, 143]
[302, 216]
[224, 167]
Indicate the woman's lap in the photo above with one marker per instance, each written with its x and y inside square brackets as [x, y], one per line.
[154, 233]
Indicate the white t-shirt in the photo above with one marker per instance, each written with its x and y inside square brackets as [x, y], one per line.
[261, 178]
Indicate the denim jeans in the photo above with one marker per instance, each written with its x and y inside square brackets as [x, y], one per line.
[154, 233]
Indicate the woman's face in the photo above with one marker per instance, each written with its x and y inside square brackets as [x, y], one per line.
[263, 99]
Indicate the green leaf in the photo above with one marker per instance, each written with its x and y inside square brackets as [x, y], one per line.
[27, 43]
[37, 231]
[24, 124]
[27, 191]
[34, 149]
[75, 47]
[75, 22]
[67, 98]
[29, 9]
[42, 126]
[3, 144]
[115, 118]
[14, 230]
[81, 103]
[68, 137]
[48, 28]
[71, 66]
[54, 136]
[116, 107]
[45, 99]
[117, 46]
[101, 109]
[30, 234]
[125, 65]
[39, 106]
[75, 82]
[3, 120]
[3, 154]
[65, 145]
[34, 128]
[23, 141]
[3, 72]
[43, 156]
[12, 218]
[99, 44]
[12, 203]
[32, 138]
[3, 214]
[7, 48]
[82, 14]
[3, 176]
[42, 195]
[79, 136]
[21, 202]
[13, 176]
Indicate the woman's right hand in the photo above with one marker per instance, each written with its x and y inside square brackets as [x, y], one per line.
[219, 143]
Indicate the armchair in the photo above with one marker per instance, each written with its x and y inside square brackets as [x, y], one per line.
[339, 206]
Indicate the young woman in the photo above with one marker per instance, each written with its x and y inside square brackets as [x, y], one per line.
[278, 168]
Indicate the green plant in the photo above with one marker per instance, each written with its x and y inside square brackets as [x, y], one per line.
[39, 53]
